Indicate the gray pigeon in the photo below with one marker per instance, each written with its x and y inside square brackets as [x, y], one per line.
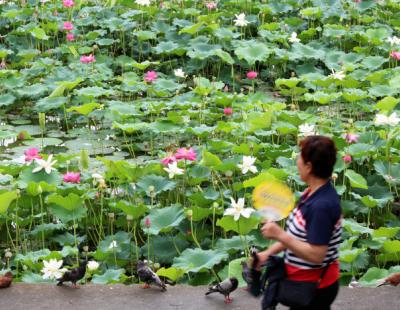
[225, 288]
[148, 276]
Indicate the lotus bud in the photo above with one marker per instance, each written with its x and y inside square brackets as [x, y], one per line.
[189, 214]
[85, 248]
[39, 189]
[111, 215]
[156, 266]
[8, 254]
[147, 222]
[129, 218]
[215, 205]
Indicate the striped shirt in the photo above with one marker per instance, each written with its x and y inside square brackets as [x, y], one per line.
[316, 220]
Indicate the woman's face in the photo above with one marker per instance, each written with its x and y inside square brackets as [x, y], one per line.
[304, 168]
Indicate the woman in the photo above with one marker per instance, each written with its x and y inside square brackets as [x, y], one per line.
[313, 229]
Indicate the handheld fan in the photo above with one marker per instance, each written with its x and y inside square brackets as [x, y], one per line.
[273, 200]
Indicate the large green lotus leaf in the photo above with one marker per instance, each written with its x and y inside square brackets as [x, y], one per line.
[198, 260]
[159, 183]
[385, 232]
[130, 209]
[233, 244]
[371, 277]
[94, 92]
[39, 33]
[167, 85]
[165, 248]
[252, 52]
[353, 95]
[46, 228]
[167, 47]
[377, 36]
[360, 149]
[164, 126]
[199, 213]
[262, 177]
[172, 273]
[210, 160]
[6, 199]
[86, 108]
[257, 120]
[50, 103]
[4, 134]
[322, 97]
[387, 104]
[32, 256]
[32, 91]
[373, 62]
[4, 52]
[27, 176]
[242, 226]
[34, 278]
[381, 194]
[235, 269]
[202, 50]
[355, 228]
[301, 51]
[289, 83]
[356, 180]
[349, 256]
[391, 246]
[66, 215]
[110, 276]
[131, 127]
[70, 202]
[382, 90]
[390, 172]
[192, 29]
[164, 219]
[6, 99]
[226, 57]
[45, 141]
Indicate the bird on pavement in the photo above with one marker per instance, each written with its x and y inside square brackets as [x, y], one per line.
[225, 288]
[148, 276]
[393, 280]
[74, 275]
[6, 279]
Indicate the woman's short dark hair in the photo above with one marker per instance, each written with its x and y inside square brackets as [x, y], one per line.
[321, 152]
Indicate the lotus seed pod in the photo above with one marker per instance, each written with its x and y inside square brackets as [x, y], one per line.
[215, 205]
[228, 173]
[151, 188]
[111, 215]
[129, 218]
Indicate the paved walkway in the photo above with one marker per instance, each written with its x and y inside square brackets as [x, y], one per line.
[120, 297]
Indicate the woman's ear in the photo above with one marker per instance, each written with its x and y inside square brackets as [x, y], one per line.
[309, 167]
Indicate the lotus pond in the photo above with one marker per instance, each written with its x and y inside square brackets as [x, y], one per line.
[129, 128]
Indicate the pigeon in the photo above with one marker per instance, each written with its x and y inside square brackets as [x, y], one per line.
[393, 280]
[74, 275]
[225, 288]
[6, 279]
[148, 276]
[246, 270]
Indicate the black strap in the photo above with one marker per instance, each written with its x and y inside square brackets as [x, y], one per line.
[325, 270]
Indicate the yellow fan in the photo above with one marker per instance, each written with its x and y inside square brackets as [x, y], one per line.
[273, 199]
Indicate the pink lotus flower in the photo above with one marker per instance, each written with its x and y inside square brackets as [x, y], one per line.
[228, 111]
[251, 75]
[72, 177]
[169, 159]
[31, 154]
[347, 158]
[184, 153]
[88, 59]
[395, 55]
[70, 37]
[68, 3]
[68, 26]
[150, 76]
[211, 5]
[350, 138]
[147, 222]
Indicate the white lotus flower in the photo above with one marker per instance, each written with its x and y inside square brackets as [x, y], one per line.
[248, 164]
[113, 245]
[338, 75]
[173, 169]
[237, 209]
[393, 40]
[293, 38]
[179, 73]
[307, 130]
[391, 120]
[52, 269]
[93, 265]
[241, 20]
[47, 165]
[143, 2]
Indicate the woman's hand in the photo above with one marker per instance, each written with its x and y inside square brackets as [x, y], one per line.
[271, 230]
[262, 258]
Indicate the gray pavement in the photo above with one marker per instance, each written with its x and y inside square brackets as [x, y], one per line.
[22, 296]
